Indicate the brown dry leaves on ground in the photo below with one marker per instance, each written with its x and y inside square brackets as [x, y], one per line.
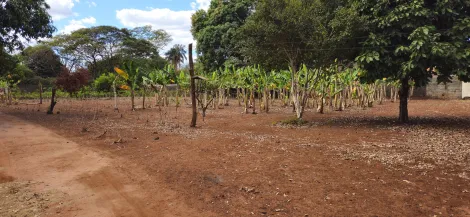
[21, 199]
[356, 161]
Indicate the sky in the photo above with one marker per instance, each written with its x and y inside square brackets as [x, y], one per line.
[174, 16]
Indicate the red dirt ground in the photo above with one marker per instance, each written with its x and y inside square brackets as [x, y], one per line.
[351, 163]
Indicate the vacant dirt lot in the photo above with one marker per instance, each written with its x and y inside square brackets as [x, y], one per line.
[89, 160]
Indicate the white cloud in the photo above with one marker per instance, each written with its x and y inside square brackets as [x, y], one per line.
[91, 4]
[176, 23]
[201, 4]
[78, 24]
[61, 9]
[88, 20]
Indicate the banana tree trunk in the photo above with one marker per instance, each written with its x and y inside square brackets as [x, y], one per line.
[143, 99]
[266, 104]
[132, 99]
[238, 97]
[115, 95]
[321, 108]
[156, 99]
[245, 99]
[253, 100]
[295, 94]
[8, 94]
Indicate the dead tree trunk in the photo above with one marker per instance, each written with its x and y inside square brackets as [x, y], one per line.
[40, 92]
[193, 86]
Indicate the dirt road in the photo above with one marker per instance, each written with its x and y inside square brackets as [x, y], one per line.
[72, 180]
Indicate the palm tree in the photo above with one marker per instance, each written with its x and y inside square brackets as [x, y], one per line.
[176, 55]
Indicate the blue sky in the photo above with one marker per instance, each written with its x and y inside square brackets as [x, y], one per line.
[170, 15]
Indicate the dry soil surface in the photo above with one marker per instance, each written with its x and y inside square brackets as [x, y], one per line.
[92, 161]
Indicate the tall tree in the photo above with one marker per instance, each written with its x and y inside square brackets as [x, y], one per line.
[159, 38]
[8, 62]
[43, 61]
[23, 19]
[412, 39]
[85, 47]
[101, 48]
[290, 33]
[215, 32]
[176, 55]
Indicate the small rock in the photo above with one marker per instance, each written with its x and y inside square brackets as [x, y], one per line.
[156, 138]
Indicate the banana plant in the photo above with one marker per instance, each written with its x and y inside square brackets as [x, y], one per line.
[132, 76]
[158, 80]
[282, 81]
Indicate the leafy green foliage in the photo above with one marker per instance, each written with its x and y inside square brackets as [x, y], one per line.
[101, 48]
[284, 32]
[105, 82]
[414, 39]
[43, 61]
[8, 62]
[216, 32]
[27, 19]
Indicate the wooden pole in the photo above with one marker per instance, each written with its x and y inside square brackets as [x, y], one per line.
[40, 92]
[193, 86]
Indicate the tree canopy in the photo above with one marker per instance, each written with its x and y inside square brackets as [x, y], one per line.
[314, 32]
[42, 60]
[176, 55]
[23, 19]
[216, 32]
[100, 48]
[412, 40]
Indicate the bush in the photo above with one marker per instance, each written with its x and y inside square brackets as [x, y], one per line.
[104, 82]
[72, 82]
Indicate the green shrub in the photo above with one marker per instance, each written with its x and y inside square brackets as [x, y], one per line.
[104, 82]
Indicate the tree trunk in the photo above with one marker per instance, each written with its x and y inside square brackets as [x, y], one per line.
[226, 97]
[266, 104]
[295, 92]
[238, 97]
[193, 87]
[404, 93]
[40, 92]
[115, 95]
[50, 111]
[321, 107]
[143, 99]
[253, 101]
[245, 98]
[132, 99]
[8, 93]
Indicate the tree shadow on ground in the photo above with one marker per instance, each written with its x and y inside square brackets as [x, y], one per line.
[440, 122]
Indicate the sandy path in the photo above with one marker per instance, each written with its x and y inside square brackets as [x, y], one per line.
[91, 186]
